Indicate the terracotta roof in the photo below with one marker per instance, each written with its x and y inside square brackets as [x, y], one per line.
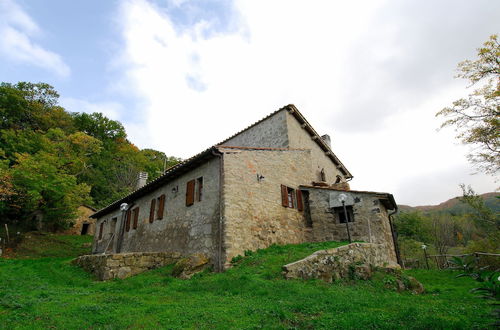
[260, 148]
[171, 172]
[389, 198]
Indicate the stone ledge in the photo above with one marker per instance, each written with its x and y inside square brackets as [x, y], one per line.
[355, 259]
[123, 265]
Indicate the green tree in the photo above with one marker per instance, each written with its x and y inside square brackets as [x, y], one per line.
[99, 126]
[483, 216]
[476, 118]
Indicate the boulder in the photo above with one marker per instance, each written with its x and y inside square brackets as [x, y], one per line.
[187, 267]
[415, 286]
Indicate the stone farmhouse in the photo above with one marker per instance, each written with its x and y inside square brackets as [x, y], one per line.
[275, 182]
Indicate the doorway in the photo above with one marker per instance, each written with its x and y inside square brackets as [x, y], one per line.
[85, 228]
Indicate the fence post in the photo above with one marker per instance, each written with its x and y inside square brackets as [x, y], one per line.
[7, 232]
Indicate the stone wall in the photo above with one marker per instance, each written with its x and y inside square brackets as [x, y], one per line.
[254, 217]
[183, 229]
[270, 133]
[371, 220]
[84, 214]
[299, 138]
[356, 259]
[122, 265]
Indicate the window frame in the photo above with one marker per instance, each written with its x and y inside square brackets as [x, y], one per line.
[199, 189]
[340, 211]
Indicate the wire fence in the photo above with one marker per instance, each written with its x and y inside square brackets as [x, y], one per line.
[442, 261]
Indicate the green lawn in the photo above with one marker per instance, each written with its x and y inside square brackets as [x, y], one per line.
[38, 245]
[51, 293]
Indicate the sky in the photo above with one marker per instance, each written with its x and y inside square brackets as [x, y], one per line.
[183, 75]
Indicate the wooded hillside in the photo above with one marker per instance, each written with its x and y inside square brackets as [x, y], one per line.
[52, 160]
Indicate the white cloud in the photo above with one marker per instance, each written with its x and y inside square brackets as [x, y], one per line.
[17, 31]
[334, 60]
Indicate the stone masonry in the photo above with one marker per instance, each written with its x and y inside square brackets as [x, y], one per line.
[254, 217]
[259, 187]
[329, 265]
[123, 265]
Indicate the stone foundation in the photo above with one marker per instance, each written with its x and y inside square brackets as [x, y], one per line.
[352, 260]
[122, 265]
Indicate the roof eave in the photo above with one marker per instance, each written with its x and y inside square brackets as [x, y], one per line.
[170, 174]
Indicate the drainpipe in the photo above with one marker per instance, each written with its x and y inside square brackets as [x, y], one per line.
[220, 263]
[394, 237]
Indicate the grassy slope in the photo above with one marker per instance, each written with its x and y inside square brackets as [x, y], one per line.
[38, 245]
[49, 292]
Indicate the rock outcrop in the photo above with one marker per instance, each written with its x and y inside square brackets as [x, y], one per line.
[355, 260]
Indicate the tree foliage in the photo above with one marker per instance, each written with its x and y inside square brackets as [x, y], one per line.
[52, 161]
[476, 118]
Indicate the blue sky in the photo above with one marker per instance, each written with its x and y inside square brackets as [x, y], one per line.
[183, 75]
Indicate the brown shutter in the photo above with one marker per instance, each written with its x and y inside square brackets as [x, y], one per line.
[127, 223]
[152, 211]
[300, 206]
[161, 207]
[136, 217]
[284, 196]
[190, 193]
[100, 230]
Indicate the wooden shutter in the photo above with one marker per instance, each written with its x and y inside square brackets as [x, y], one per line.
[127, 223]
[136, 217]
[300, 205]
[152, 211]
[101, 229]
[284, 196]
[190, 193]
[161, 207]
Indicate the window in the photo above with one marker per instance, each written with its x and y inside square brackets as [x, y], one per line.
[113, 225]
[288, 197]
[341, 216]
[127, 222]
[161, 207]
[199, 191]
[190, 193]
[101, 228]
[136, 217]
[152, 210]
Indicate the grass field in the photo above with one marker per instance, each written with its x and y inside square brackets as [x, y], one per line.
[51, 293]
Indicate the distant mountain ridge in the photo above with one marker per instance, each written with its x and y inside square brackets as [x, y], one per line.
[455, 206]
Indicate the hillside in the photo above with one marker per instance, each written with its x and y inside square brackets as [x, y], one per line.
[51, 293]
[454, 206]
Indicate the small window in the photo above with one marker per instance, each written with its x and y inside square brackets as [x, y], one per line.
[161, 207]
[101, 228]
[136, 217]
[287, 196]
[341, 216]
[199, 191]
[113, 226]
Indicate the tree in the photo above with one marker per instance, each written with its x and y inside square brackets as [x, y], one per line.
[484, 217]
[476, 118]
